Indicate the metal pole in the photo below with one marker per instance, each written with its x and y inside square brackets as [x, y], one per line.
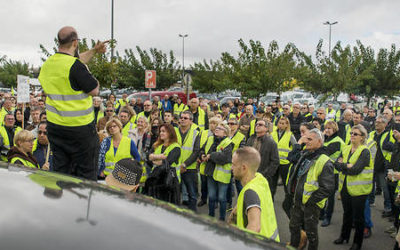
[183, 67]
[330, 33]
[112, 29]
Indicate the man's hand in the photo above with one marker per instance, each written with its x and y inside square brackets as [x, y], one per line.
[101, 47]
[232, 216]
[396, 135]
[183, 168]
[349, 165]
[46, 166]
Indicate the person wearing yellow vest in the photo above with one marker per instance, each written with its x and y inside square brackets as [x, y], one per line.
[330, 112]
[189, 140]
[344, 126]
[69, 87]
[5, 109]
[355, 184]
[339, 112]
[166, 150]
[200, 118]
[115, 148]
[333, 146]
[21, 153]
[7, 134]
[384, 143]
[204, 136]
[178, 106]
[305, 111]
[98, 108]
[285, 140]
[311, 182]
[41, 148]
[238, 140]
[218, 155]
[255, 209]
[121, 103]
[147, 108]
[125, 115]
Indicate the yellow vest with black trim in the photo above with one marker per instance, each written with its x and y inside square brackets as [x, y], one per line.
[348, 136]
[123, 152]
[236, 140]
[128, 127]
[360, 184]
[311, 185]
[24, 162]
[140, 115]
[386, 154]
[157, 151]
[252, 127]
[99, 116]
[336, 154]
[331, 114]
[222, 173]
[3, 114]
[64, 106]
[269, 226]
[178, 108]
[187, 145]
[284, 146]
[121, 103]
[6, 141]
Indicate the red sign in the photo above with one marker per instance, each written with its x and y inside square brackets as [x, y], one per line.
[150, 79]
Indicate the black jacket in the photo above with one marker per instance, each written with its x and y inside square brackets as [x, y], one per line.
[269, 155]
[326, 180]
[295, 124]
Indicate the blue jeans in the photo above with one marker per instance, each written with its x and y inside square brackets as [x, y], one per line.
[367, 214]
[216, 188]
[380, 179]
[229, 192]
[189, 178]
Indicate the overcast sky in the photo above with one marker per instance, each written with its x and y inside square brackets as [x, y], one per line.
[213, 26]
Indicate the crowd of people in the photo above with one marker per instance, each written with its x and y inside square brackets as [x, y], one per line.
[200, 153]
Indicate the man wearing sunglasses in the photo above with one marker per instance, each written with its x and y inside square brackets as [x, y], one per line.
[41, 148]
[69, 87]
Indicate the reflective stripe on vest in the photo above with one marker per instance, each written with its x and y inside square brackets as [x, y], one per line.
[268, 224]
[283, 145]
[24, 162]
[187, 145]
[360, 184]
[252, 127]
[236, 140]
[123, 152]
[178, 108]
[64, 105]
[311, 185]
[222, 173]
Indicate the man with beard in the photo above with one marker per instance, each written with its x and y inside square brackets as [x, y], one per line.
[69, 87]
[41, 148]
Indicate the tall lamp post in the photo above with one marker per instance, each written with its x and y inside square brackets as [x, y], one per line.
[183, 67]
[330, 33]
[112, 30]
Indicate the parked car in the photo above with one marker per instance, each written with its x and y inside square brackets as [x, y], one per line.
[269, 98]
[145, 95]
[46, 210]
[228, 98]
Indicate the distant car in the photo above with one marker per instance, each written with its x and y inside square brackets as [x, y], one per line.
[228, 98]
[269, 98]
[46, 210]
[145, 95]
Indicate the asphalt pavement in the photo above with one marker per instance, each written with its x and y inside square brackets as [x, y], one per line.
[378, 241]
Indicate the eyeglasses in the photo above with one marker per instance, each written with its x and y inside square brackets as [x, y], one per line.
[355, 134]
[260, 124]
[285, 108]
[109, 110]
[42, 132]
[184, 118]
[231, 123]
[320, 113]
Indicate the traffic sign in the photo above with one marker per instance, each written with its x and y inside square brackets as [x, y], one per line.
[150, 79]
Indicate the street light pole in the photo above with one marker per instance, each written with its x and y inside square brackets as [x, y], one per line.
[330, 34]
[183, 67]
[112, 30]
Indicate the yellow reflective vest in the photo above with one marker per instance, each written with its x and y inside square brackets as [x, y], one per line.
[269, 227]
[360, 184]
[6, 141]
[157, 151]
[222, 173]
[284, 146]
[187, 145]
[64, 105]
[178, 108]
[24, 162]
[201, 120]
[236, 140]
[123, 152]
[128, 127]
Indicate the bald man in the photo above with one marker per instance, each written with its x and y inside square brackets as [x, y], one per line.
[69, 87]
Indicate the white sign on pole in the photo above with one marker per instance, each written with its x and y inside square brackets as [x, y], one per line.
[23, 89]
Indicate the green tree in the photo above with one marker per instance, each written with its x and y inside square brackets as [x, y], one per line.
[9, 70]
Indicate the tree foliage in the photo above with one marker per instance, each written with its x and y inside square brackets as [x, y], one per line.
[9, 70]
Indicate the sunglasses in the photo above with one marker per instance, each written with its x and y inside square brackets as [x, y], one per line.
[320, 113]
[231, 123]
[109, 110]
[260, 124]
[355, 134]
[184, 118]
[42, 132]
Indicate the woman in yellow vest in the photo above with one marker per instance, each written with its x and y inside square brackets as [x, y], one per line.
[285, 140]
[115, 147]
[218, 155]
[21, 153]
[333, 147]
[355, 184]
[166, 150]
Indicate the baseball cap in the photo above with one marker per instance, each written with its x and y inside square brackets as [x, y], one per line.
[126, 174]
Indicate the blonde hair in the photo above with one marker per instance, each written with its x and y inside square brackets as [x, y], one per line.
[364, 133]
[110, 122]
[284, 118]
[226, 127]
[250, 156]
[333, 125]
[215, 120]
[22, 136]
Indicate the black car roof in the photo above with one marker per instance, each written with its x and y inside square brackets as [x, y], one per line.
[45, 210]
